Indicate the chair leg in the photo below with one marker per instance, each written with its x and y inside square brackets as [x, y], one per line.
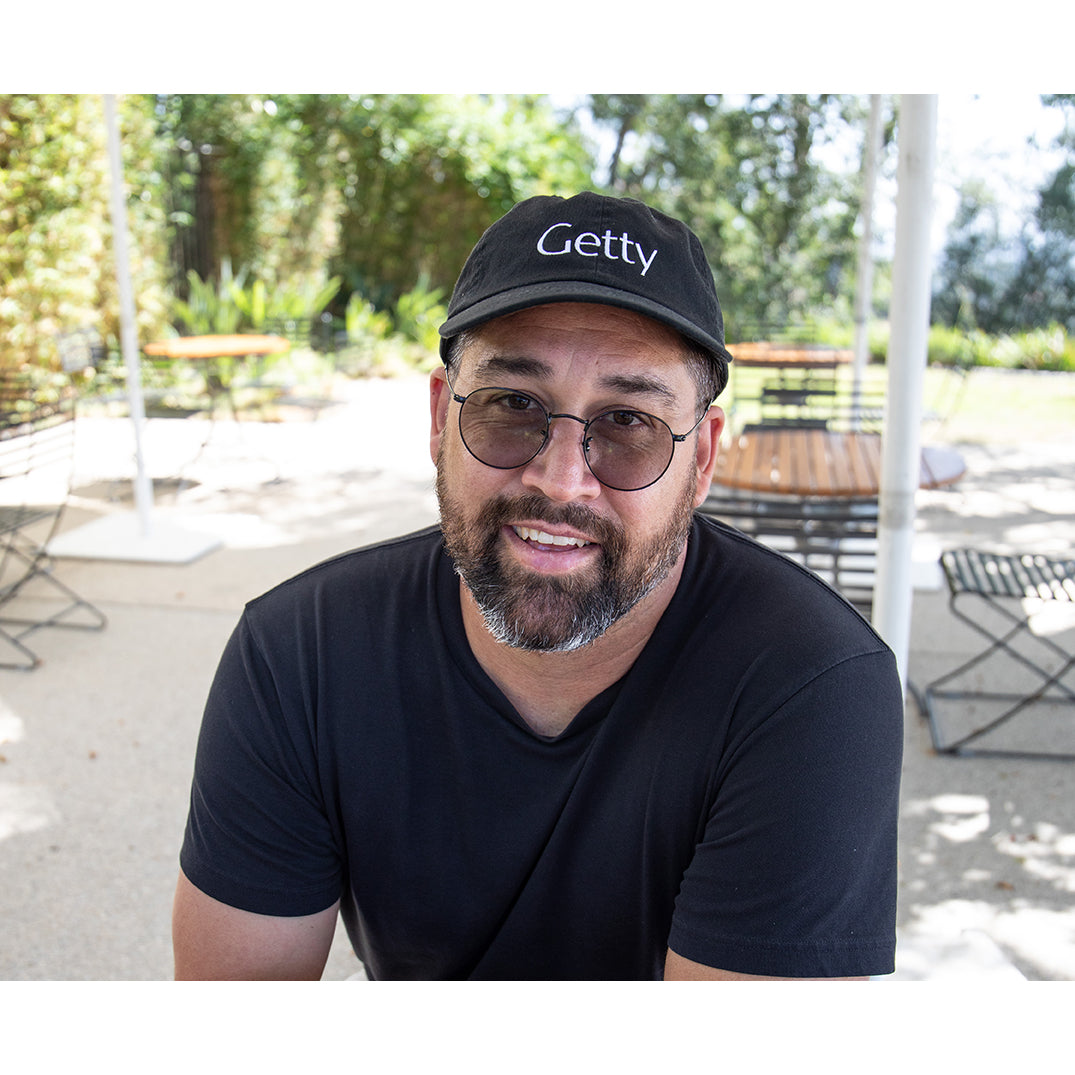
[37, 567]
[998, 643]
[29, 659]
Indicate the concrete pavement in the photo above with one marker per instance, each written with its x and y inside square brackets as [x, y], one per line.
[97, 744]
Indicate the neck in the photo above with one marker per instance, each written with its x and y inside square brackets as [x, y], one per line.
[549, 689]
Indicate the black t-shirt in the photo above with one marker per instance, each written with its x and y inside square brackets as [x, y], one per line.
[733, 796]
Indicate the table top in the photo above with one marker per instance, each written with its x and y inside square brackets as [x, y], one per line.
[798, 355]
[195, 347]
[820, 463]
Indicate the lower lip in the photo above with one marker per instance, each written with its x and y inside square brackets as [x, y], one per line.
[550, 558]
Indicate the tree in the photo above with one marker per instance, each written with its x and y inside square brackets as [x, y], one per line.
[57, 270]
[747, 176]
[976, 266]
[1002, 284]
[214, 147]
[415, 179]
[1046, 291]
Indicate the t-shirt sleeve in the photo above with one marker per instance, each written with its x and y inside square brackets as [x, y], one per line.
[795, 874]
[258, 835]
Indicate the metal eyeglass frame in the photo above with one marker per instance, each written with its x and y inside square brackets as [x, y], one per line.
[677, 438]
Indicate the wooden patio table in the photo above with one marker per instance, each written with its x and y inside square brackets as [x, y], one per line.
[814, 493]
[789, 355]
[820, 463]
[214, 350]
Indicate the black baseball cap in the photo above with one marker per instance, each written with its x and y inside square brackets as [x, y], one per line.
[590, 248]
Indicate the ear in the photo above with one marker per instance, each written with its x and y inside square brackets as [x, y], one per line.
[440, 395]
[706, 450]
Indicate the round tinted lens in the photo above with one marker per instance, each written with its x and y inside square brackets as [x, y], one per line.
[628, 450]
[501, 428]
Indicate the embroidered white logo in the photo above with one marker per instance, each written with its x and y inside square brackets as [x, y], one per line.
[589, 244]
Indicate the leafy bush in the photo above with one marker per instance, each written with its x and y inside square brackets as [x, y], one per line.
[402, 339]
[364, 322]
[1041, 349]
[960, 349]
[419, 314]
[229, 305]
[262, 303]
[210, 307]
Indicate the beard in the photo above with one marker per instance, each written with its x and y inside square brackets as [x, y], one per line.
[556, 614]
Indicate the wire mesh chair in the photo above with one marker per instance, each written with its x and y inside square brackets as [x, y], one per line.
[1020, 670]
[36, 463]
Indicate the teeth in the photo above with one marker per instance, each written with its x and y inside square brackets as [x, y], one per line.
[543, 538]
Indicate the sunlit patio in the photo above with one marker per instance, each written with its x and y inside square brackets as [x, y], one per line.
[96, 744]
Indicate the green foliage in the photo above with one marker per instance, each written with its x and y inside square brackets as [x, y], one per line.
[959, 348]
[1040, 349]
[56, 260]
[365, 206]
[746, 175]
[419, 314]
[229, 305]
[999, 283]
[424, 174]
[364, 321]
[211, 306]
[262, 303]
[380, 341]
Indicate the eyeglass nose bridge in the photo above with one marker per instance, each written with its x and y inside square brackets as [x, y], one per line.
[586, 438]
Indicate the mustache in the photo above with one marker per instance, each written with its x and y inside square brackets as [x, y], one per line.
[534, 508]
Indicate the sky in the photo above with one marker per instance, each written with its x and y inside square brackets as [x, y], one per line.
[985, 136]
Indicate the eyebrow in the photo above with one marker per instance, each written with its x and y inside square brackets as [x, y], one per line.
[630, 384]
[640, 384]
[519, 367]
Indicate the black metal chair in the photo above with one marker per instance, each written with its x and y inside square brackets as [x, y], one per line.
[811, 399]
[36, 462]
[836, 538]
[1019, 671]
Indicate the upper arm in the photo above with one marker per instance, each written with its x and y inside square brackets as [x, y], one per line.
[213, 941]
[795, 873]
[679, 969]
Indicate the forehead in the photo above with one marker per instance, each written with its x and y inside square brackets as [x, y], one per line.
[564, 336]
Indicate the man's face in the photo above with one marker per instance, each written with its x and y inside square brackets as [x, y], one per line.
[551, 557]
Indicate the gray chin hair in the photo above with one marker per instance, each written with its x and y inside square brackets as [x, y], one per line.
[588, 623]
[510, 633]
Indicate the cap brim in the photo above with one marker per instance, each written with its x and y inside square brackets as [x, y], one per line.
[522, 298]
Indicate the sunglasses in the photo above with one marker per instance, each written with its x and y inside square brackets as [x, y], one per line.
[625, 449]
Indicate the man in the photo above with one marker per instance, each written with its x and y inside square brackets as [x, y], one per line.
[576, 731]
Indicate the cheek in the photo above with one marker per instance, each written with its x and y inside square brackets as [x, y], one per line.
[647, 512]
[469, 481]
[671, 511]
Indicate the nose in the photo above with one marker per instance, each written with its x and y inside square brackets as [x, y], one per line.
[559, 470]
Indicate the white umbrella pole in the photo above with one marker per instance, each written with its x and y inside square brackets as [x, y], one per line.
[121, 536]
[864, 278]
[143, 488]
[907, 353]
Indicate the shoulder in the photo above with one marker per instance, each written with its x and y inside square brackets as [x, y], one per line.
[381, 567]
[769, 592]
[771, 623]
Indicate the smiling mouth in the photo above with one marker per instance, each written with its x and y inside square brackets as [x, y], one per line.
[542, 537]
